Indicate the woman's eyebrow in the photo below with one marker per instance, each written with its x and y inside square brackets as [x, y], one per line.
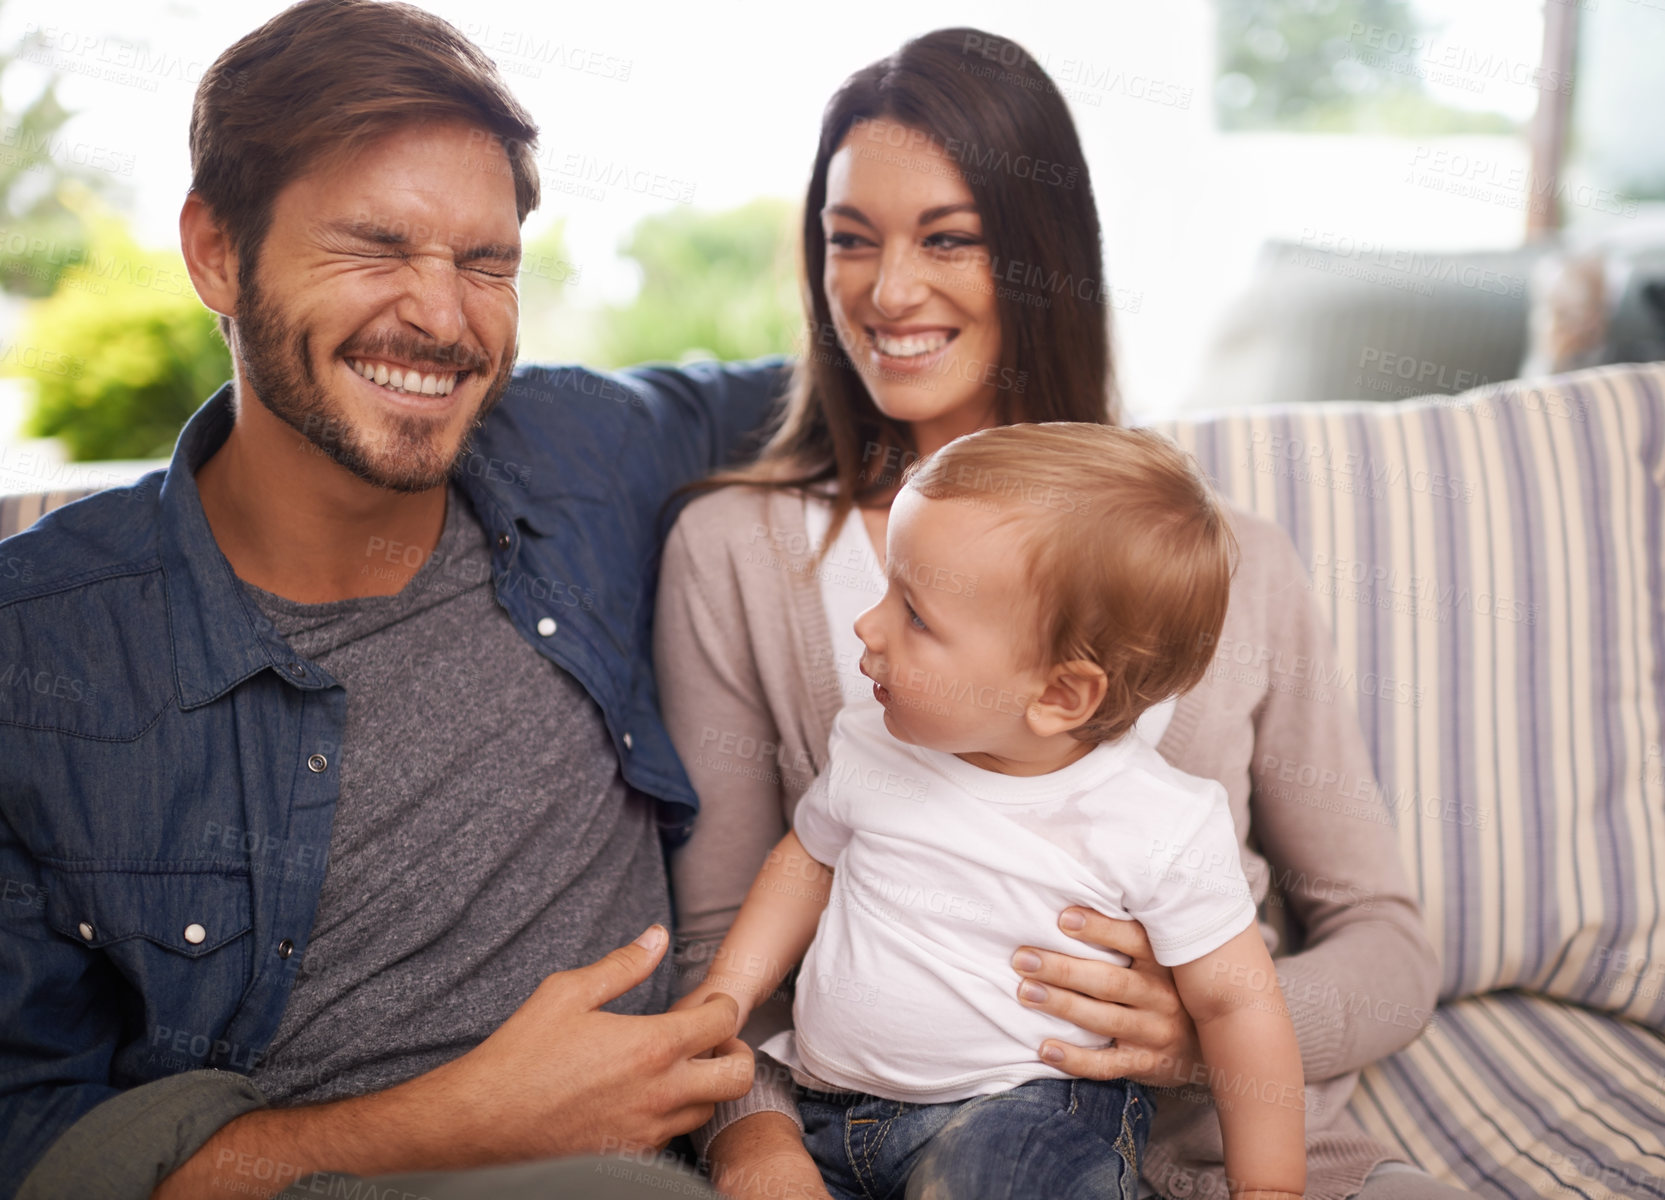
[932, 215]
[846, 210]
[929, 217]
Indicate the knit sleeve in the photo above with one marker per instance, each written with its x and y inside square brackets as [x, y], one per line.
[714, 709]
[1363, 983]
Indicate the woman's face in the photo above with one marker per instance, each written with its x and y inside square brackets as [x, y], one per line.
[909, 283]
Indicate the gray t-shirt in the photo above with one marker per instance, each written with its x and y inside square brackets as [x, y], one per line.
[483, 838]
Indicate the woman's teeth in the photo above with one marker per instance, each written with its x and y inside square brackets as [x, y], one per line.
[910, 347]
[411, 382]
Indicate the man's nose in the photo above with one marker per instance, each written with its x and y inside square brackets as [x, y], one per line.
[433, 300]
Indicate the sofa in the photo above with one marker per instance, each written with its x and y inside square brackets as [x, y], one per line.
[1493, 568]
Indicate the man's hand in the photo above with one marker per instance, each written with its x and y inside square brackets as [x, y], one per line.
[704, 994]
[559, 1077]
[763, 1156]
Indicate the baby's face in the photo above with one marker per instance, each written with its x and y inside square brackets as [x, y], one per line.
[942, 646]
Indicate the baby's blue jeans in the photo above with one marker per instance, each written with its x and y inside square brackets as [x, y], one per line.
[1063, 1139]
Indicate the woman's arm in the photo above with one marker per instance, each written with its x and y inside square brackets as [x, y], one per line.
[715, 711]
[1366, 979]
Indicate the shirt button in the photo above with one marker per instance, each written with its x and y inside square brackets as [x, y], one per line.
[503, 541]
[629, 742]
[298, 671]
[85, 930]
[546, 626]
[195, 933]
[317, 764]
[285, 948]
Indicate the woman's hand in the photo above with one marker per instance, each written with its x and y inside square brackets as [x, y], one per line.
[761, 1156]
[1138, 1005]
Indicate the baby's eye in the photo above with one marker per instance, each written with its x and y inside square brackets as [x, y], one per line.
[913, 617]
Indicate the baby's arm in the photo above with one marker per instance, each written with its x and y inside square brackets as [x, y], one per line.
[773, 929]
[1254, 1065]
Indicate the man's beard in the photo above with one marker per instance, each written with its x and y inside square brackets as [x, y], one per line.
[277, 363]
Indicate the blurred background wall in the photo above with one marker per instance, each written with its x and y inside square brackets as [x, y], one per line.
[1294, 192]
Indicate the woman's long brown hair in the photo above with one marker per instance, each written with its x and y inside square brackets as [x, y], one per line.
[989, 106]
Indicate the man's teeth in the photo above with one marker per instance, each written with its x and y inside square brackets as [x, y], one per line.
[412, 382]
[911, 346]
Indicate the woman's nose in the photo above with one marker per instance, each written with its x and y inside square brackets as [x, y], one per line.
[899, 287]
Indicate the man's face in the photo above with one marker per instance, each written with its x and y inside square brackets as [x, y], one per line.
[398, 263]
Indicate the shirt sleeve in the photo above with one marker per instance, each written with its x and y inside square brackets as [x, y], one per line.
[702, 417]
[818, 824]
[1198, 899]
[126, 1146]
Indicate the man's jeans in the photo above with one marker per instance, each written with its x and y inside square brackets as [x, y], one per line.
[1058, 1138]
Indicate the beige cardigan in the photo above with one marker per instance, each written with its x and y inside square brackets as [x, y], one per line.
[749, 688]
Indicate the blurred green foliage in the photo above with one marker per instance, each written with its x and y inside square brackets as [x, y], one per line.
[122, 353]
[43, 236]
[722, 285]
[1332, 66]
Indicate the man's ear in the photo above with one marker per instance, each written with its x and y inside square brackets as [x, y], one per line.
[1069, 697]
[209, 256]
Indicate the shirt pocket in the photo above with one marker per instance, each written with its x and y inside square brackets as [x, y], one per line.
[179, 937]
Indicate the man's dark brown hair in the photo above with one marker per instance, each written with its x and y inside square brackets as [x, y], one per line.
[324, 78]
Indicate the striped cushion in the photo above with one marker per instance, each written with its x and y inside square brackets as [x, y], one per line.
[1491, 565]
[1515, 1095]
[19, 511]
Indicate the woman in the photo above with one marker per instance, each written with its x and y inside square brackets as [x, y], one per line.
[952, 252]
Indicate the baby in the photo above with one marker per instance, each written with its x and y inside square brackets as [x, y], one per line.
[1046, 585]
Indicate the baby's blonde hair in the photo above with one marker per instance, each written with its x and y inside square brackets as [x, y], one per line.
[1124, 546]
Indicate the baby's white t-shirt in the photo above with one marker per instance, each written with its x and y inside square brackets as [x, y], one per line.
[942, 870]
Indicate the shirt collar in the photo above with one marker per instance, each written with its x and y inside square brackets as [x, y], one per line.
[220, 637]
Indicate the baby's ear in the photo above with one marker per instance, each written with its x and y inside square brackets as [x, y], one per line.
[1071, 695]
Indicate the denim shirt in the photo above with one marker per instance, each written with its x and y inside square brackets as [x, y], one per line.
[168, 765]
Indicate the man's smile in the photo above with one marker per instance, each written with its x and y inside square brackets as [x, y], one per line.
[409, 380]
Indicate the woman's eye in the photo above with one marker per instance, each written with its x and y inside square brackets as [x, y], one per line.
[844, 241]
[950, 241]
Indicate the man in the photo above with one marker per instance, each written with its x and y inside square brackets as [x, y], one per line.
[356, 768]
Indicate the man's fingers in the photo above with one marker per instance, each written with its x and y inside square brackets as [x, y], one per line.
[616, 972]
[686, 1118]
[1127, 937]
[727, 1075]
[704, 1026]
